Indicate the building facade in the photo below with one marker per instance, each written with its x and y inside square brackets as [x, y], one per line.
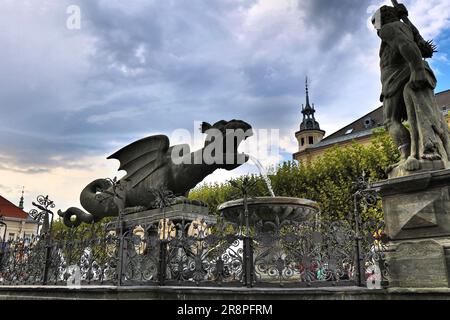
[360, 130]
[18, 223]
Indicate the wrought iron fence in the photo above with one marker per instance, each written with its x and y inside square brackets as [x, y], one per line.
[186, 253]
[193, 253]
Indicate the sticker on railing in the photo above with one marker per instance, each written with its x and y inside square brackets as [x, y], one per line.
[374, 278]
[74, 280]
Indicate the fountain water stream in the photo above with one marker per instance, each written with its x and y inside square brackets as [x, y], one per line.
[263, 173]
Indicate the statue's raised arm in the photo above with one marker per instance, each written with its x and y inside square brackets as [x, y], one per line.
[427, 48]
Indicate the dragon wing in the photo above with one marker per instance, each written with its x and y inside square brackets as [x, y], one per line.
[141, 158]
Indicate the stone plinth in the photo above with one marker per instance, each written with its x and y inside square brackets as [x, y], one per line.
[175, 213]
[417, 215]
[217, 293]
[425, 166]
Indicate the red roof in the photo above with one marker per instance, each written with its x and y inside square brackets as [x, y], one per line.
[8, 209]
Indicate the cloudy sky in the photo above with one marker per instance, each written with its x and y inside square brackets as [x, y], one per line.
[71, 97]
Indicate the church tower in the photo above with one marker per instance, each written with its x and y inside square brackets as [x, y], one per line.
[310, 132]
[21, 199]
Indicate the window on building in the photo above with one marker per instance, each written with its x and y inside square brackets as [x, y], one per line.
[303, 141]
[311, 140]
[27, 238]
[446, 110]
[368, 122]
[11, 236]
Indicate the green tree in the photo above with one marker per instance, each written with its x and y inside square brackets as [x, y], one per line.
[97, 229]
[328, 180]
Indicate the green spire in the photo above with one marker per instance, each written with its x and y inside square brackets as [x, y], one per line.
[308, 106]
[309, 121]
[21, 199]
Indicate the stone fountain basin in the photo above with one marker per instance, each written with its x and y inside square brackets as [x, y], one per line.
[266, 209]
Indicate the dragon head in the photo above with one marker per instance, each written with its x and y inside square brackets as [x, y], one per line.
[226, 136]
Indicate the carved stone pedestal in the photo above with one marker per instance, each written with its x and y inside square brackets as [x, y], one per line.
[175, 213]
[417, 215]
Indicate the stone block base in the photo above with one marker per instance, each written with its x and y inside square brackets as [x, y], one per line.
[417, 216]
[419, 264]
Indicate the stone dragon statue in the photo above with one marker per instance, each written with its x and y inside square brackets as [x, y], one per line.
[149, 165]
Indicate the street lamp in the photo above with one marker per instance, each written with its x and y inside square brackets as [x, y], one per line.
[3, 224]
[44, 204]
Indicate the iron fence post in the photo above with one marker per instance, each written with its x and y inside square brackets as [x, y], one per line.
[121, 249]
[48, 248]
[358, 249]
[162, 262]
[119, 198]
[163, 244]
[248, 261]
[248, 248]
[163, 200]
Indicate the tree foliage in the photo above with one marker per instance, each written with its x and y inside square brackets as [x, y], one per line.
[97, 228]
[328, 180]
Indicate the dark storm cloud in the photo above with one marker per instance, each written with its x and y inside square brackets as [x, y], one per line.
[335, 18]
[139, 67]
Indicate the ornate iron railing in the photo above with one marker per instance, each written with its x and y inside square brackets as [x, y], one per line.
[288, 254]
[182, 253]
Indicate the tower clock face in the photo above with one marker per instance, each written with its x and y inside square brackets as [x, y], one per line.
[309, 124]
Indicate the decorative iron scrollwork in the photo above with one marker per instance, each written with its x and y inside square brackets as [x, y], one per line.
[315, 252]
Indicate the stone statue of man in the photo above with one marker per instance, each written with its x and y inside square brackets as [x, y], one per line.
[408, 85]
